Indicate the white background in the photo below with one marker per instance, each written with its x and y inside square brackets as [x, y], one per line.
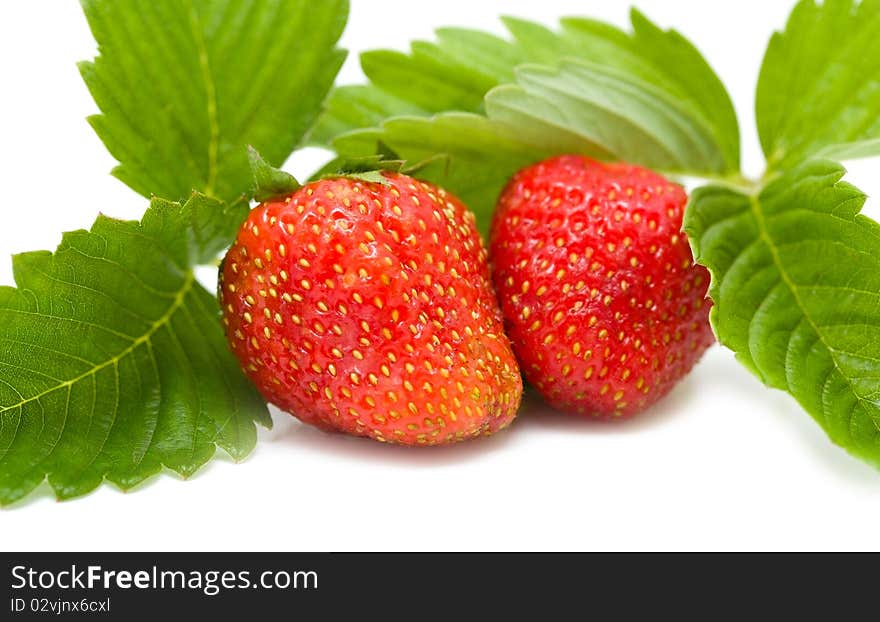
[722, 463]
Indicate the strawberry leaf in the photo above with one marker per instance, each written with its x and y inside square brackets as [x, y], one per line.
[796, 286]
[184, 87]
[452, 74]
[113, 361]
[819, 90]
[355, 106]
[195, 235]
[491, 106]
[269, 182]
[607, 113]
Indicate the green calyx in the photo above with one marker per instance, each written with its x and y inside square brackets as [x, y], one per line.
[269, 182]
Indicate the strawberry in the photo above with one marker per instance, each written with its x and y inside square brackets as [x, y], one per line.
[604, 305]
[367, 308]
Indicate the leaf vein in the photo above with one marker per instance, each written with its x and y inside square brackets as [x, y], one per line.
[159, 323]
[786, 278]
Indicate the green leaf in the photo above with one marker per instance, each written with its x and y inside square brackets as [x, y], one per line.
[796, 290]
[457, 72]
[269, 182]
[603, 112]
[427, 78]
[819, 89]
[669, 62]
[452, 74]
[537, 42]
[356, 106]
[197, 234]
[114, 364]
[185, 85]
[490, 106]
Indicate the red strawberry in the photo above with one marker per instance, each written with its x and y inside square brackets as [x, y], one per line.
[367, 308]
[603, 303]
